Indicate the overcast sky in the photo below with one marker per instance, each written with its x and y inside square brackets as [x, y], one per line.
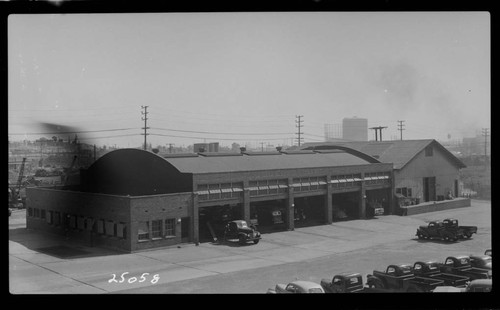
[243, 77]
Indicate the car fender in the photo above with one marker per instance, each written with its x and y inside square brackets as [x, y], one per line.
[374, 281]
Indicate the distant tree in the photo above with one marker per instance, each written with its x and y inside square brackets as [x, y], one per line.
[54, 138]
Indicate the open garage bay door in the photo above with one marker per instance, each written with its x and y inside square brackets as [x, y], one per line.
[346, 206]
[213, 219]
[310, 211]
[269, 215]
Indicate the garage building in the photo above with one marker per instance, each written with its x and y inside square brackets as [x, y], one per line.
[131, 199]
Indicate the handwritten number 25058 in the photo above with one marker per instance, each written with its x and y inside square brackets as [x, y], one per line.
[142, 278]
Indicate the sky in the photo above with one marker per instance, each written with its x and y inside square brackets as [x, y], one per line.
[244, 77]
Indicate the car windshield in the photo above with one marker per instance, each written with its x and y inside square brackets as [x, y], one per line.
[315, 290]
[242, 224]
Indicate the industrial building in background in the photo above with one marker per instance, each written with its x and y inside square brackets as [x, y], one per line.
[355, 129]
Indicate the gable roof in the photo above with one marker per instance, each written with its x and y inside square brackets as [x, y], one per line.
[398, 152]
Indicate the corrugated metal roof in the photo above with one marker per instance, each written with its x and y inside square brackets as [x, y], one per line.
[398, 152]
[215, 164]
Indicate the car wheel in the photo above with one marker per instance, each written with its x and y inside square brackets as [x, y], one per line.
[420, 236]
[242, 240]
[446, 238]
[256, 241]
[468, 235]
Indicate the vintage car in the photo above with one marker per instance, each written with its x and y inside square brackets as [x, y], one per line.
[296, 287]
[400, 278]
[481, 261]
[488, 252]
[436, 229]
[479, 285]
[460, 265]
[240, 230]
[461, 231]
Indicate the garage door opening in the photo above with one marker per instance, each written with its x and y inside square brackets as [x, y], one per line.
[269, 216]
[346, 206]
[309, 211]
[213, 219]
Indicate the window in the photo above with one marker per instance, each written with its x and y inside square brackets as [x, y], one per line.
[110, 228]
[100, 227]
[49, 218]
[57, 218]
[36, 212]
[121, 230]
[409, 192]
[42, 214]
[72, 221]
[143, 231]
[80, 223]
[398, 190]
[169, 227]
[156, 229]
[428, 150]
[30, 211]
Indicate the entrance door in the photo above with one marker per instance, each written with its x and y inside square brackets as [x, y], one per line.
[430, 189]
[185, 225]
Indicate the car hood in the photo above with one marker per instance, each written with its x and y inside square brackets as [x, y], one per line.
[245, 230]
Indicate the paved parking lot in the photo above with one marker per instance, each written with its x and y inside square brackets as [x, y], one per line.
[47, 264]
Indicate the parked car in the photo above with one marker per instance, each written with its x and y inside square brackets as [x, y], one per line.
[430, 269]
[347, 283]
[479, 285]
[461, 231]
[296, 287]
[400, 278]
[488, 252]
[460, 265]
[481, 261]
[240, 230]
[436, 229]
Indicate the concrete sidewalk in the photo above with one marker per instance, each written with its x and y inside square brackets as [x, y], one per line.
[90, 272]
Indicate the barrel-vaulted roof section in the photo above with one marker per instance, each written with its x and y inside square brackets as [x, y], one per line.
[220, 164]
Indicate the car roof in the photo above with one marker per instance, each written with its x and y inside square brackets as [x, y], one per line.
[238, 221]
[349, 274]
[481, 256]
[481, 282]
[306, 284]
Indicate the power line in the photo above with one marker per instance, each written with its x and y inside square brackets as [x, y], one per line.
[216, 138]
[224, 133]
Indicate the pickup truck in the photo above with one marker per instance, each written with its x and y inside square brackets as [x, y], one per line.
[400, 278]
[430, 269]
[436, 229]
[348, 283]
[481, 261]
[479, 285]
[488, 252]
[460, 265]
[461, 231]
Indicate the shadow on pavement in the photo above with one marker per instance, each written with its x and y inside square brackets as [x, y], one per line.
[56, 245]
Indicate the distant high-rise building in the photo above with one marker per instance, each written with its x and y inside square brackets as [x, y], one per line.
[333, 132]
[355, 129]
[206, 147]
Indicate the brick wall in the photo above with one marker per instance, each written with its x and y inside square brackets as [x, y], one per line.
[436, 206]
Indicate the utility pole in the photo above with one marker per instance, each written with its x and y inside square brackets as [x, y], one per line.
[262, 146]
[145, 119]
[170, 147]
[485, 134]
[400, 128]
[299, 125]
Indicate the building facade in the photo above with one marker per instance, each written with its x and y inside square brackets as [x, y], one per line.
[355, 129]
[424, 170]
[132, 199]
